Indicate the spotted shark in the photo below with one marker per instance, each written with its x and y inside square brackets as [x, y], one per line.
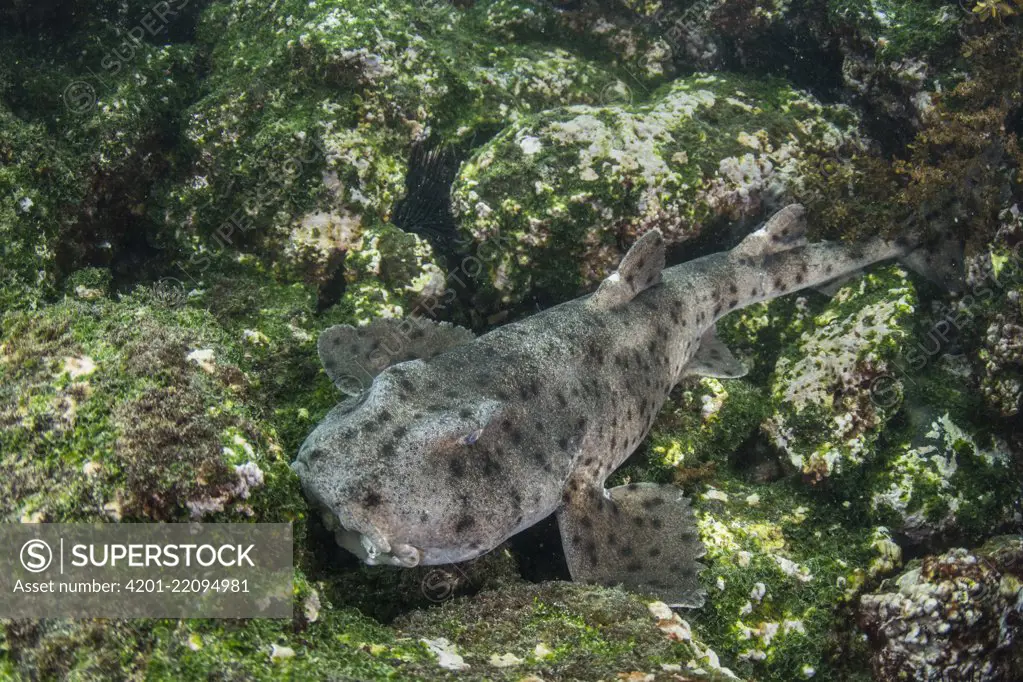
[449, 444]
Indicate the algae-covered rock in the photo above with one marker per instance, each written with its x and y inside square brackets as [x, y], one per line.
[610, 30]
[888, 56]
[322, 642]
[38, 183]
[705, 423]
[84, 144]
[548, 631]
[835, 389]
[563, 631]
[573, 187]
[895, 54]
[945, 483]
[784, 563]
[315, 110]
[995, 281]
[782, 568]
[957, 615]
[392, 274]
[147, 407]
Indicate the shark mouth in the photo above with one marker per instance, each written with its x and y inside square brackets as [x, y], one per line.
[369, 544]
[362, 540]
[374, 550]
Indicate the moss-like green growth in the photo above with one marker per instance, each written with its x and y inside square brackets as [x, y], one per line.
[782, 567]
[146, 407]
[944, 484]
[698, 430]
[561, 631]
[299, 118]
[760, 333]
[899, 28]
[783, 562]
[568, 190]
[39, 183]
[321, 642]
[87, 126]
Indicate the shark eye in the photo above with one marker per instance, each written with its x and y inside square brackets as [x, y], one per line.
[472, 437]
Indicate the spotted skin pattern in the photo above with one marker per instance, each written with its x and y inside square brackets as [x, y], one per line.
[441, 460]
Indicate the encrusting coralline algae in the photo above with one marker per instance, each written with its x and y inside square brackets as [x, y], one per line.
[189, 199]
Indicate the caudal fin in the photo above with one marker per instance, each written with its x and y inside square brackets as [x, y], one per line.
[939, 260]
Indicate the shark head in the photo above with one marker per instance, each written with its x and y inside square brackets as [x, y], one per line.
[403, 473]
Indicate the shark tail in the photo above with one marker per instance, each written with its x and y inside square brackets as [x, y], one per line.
[939, 259]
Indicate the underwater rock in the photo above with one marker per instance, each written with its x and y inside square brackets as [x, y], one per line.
[835, 388]
[945, 484]
[957, 615]
[83, 145]
[761, 35]
[612, 30]
[894, 55]
[995, 282]
[307, 123]
[340, 643]
[570, 189]
[37, 211]
[783, 570]
[57, 19]
[561, 631]
[383, 271]
[888, 56]
[549, 631]
[704, 423]
[140, 408]
[393, 274]
[784, 565]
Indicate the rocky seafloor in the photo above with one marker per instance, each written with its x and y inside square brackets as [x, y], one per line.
[191, 191]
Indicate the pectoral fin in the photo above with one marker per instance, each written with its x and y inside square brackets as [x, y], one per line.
[641, 535]
[831, 287]
[352, 356]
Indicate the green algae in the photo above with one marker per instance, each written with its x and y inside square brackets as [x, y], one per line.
[298, 116]
[569, 187]
[900, 29]
[829, 407]
[109, 418]
[40, 182]
[141, 407]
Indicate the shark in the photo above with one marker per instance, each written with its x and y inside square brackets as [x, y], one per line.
[448, 444]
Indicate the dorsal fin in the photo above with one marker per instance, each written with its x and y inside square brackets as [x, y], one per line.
[785, 230]
[352, 356]
[713, 359]
[639, 270]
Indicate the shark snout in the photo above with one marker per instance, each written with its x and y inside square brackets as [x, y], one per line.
[357, 528]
